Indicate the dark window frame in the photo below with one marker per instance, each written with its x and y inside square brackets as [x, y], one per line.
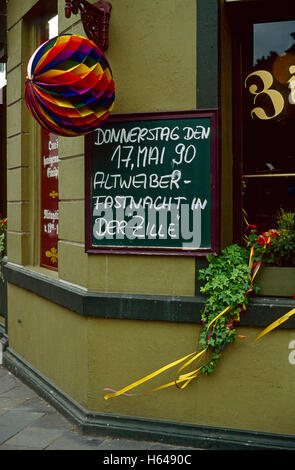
[242, 15]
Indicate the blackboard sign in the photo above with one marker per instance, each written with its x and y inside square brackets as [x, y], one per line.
[151, 184]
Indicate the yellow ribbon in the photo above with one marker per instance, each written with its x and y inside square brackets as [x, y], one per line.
[189, 376]
[251, 258]
[147, 377]
[276, 323]
[218, 316]
[184, 377]
[280, 320]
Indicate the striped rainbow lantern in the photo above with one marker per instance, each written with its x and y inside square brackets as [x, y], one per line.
[69, 89]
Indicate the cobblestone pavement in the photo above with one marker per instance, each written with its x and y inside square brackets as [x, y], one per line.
[27, 422]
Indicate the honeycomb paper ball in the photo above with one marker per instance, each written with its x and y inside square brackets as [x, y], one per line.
[69, 88]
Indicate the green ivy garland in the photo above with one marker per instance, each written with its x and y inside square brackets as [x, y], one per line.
[227, 281]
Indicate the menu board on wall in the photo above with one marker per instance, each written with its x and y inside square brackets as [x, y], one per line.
[151, 184]
[49, 200]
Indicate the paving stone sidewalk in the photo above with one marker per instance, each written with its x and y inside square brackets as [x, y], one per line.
[27, 422]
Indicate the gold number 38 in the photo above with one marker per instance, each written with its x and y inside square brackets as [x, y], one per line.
[275, 96]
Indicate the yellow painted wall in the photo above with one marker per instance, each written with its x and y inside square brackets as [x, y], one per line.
[152, 53]
[251, 388]
[52, 339]
[153, 56]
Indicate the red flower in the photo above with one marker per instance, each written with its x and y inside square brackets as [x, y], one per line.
[273, 233]
[266, 237]
[263, 239]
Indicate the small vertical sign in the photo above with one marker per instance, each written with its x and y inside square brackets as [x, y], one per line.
[49, 200]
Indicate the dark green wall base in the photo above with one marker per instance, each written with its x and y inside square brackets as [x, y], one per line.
[3, 340]
[3, 294]
[182, 434]
[260, 312]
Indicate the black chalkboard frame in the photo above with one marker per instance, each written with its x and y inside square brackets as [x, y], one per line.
[212, 114]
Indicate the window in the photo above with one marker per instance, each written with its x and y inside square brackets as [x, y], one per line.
[264, 101]
[53, 27]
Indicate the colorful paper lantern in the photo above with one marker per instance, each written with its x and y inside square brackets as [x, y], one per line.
[69, 88]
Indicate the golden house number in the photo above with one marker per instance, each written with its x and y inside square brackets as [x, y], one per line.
[275, 96]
